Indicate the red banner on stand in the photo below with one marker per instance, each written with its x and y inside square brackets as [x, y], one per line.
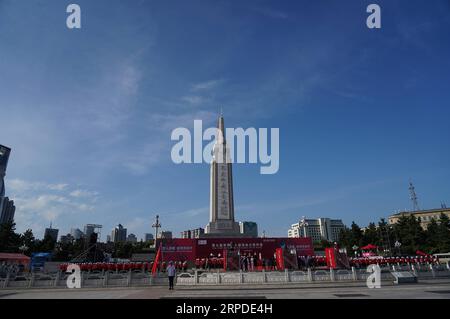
[157, 259]
[280, 258]
[331, 257]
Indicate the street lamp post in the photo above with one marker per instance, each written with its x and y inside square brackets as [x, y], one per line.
[156, 225]
[355, 249]
[398, 245]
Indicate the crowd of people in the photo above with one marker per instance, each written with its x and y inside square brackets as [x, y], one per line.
[251, 263]
[247, 262]
[126, 266]
[360, 262]
[382, 261]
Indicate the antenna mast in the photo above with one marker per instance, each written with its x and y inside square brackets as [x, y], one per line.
[413, 196]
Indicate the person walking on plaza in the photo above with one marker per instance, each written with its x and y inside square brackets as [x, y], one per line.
[171, 272]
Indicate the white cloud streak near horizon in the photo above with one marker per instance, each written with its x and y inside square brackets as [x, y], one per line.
[38, 203]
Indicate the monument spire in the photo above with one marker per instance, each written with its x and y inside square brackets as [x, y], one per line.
[221, 132]
[221, 221]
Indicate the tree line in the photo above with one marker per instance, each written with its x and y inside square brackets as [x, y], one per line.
[407, 231]
[26, 243]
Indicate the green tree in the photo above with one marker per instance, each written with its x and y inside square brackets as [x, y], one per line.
[46, 245]
[387, 236]
[27, 240]
[345, 238]
[443, 234]
[410, 233]
[371, 235]
[432, 237]
[350, 237]
[356, 234]
[9, 240]
[122, 250]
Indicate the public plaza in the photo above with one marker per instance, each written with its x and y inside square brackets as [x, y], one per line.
[426, 289]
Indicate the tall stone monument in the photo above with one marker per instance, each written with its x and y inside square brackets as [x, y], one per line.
[221, 217]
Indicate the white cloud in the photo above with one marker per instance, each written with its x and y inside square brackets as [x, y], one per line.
[83, 193]
[39, 203]
[20, 185]
[194, 99]
[208, 85]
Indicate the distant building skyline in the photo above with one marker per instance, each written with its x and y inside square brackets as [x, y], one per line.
[52, 233]
[88, 230]
[166, 234]
[66, 239]
[148, 237]
[76, 233]
[193, 233]
[249, 229]
[131, 238]
[119, 234]
[318, 229]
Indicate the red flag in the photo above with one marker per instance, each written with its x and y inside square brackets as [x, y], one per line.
[157, 258]
[330, 257]
[279, 258]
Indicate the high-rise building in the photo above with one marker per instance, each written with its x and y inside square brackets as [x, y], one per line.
[221, 217]
[193, 233]
[52, 233]
[148, 237]
[186, 234]
[66, 239]
[249, 229]
[165, 235]
[7, 211]
[4, 157]
[76, 233]
[197, 232]
[108, 238]
[89, 229]
[318, 229]
[119, 234]
[132, 238]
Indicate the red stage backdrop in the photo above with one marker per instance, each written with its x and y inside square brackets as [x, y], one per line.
[178, 249]
[189, 249]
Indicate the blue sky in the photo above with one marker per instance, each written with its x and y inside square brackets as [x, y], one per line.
[88, 113]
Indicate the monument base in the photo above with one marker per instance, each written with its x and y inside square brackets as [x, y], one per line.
[222, 229]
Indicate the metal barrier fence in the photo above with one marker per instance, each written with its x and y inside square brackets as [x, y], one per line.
[137, 278]
[308, 276]
[96, 279]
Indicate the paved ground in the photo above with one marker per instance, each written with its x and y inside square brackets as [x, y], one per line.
[436, 289]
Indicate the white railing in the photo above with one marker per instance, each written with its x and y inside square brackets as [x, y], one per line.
[140, 278]
[297, 276]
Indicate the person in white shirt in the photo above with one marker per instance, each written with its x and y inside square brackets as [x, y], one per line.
[171, 272]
